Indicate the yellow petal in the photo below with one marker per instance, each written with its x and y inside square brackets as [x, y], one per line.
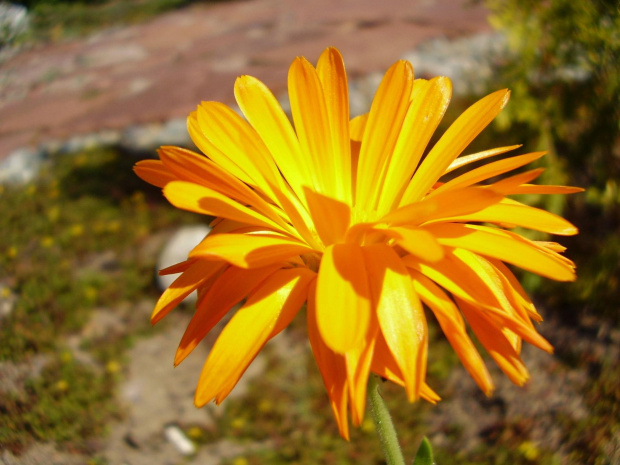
[268, 310]
[189, 166]
[211, 151]
[500, 244]
[201, 199]
[506, 185]
[429, 101]
[330, 69]
[419, 242]
[154, 172]
[474, 157]
[520, 215]
[358, 362]
[451, 203]
[330, 216]
[197, 273]
[399, 312]
[535, 189]
[453, 326]
[357, 126]
[249, 250]
[488, 171]
[311, 120]
[384, 122]
[515, 323]
[266, 116]
[240, 143]
[332, 367]
[232, 286]
[176, 268]
[519, 293]
[343, 297]
[453, 142]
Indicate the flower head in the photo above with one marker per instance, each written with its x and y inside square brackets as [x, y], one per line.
[354, 219]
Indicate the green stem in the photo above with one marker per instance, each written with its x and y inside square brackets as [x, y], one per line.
[383, 424]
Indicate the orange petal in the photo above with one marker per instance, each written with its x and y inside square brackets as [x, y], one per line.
[384, 122]
[311, 120]
[250, 250]
[495, 342]
[332, 367]
[176, 268]
[504, 246]
[474, 157]
[211, 151]
[429, 101]
[418, 242]
[488, 171]
[206, 201]
[452, 203]
[190, 166]
[399, 312]
[197, 273]
[515, 214]
[266, 116]
[357, 126]
[343, 297]
[453, 142]
[268, 310]
[453, 327]
[330, 216]
[232, 286]
[331, 72]
[154, 172]
[358, 362]
[240, 143]
[535, 189]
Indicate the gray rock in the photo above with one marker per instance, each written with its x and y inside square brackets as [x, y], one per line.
[14, 21]
[469, 62]
[176, 250]
[149, 137]
[21, 166]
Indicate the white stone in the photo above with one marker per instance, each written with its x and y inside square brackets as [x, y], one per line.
[174, 434]
[21, 166]
[13, 21]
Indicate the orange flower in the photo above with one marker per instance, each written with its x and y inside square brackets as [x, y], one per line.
[351, 218]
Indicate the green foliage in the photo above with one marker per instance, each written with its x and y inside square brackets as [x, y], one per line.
[564, 73]
[58, 19]
[595, 438]
[71, 242]
[53, 232]
[69, 403]
[425, 454]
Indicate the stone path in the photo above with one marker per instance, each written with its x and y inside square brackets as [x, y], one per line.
[160, 70]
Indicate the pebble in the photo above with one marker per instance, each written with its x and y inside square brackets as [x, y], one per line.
[21, 166]
[177, 437]
[14, 21]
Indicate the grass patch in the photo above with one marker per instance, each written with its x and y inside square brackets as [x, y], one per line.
[62, 19]
[72, 242]
[69, 403]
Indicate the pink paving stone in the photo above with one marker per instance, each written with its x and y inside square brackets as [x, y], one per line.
[163, 68]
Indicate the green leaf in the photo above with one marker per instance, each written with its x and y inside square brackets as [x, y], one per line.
[425, 454]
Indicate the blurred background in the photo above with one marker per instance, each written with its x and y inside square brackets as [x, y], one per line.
[89, 88]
